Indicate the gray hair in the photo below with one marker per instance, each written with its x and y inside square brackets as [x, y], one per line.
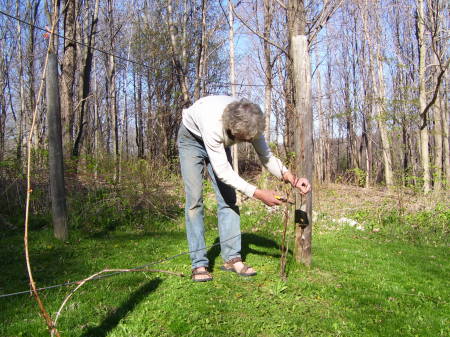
[243, 118]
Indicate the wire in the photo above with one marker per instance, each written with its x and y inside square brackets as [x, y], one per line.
[224, 84]
[120, 272]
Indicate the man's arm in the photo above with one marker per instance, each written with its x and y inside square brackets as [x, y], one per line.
[274, 165]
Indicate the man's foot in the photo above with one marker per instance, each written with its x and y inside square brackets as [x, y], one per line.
[201, 274]
[237, 266]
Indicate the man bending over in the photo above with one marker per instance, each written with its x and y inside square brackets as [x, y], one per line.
[209, 127]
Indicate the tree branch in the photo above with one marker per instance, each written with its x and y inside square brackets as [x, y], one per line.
[423, 114]
[258, 33]
[281, 4]
[324, 16]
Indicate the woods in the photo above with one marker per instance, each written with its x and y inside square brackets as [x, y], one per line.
[379, 90]
[384, 110]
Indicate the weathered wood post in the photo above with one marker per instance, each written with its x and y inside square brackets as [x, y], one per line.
[55, 151]
[303, 143]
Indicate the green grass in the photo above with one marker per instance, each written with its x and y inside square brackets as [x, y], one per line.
[361, 283]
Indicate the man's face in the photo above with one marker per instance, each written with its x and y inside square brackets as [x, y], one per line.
[238, 138]
[242, 138]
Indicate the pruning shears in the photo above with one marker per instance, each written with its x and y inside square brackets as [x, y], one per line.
[284, 199]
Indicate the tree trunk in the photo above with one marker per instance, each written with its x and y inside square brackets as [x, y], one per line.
[55, 151]
[85, 79]
[113, 113]
[3, 109]
[112, 93]
[329, 126]
[303, 144]
[376, 72]
[438, 141]
[68, 74]
[234, 148]
[21, 92]
[201, 53]
[424, 136]
[177, 60]
[31, 71]
[445, 142]
[382, 125]
[139, 124]
[268, 67]
[322, 139]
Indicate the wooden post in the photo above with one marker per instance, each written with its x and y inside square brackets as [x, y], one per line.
[303, 143]
[55, 151]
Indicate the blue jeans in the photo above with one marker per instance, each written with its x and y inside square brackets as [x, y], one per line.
[193, 157]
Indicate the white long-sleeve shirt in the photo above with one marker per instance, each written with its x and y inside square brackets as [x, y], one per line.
[204, 119]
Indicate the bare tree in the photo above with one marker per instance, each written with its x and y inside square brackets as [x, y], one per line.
[424, 104]
[378, 83]
[268, 72]
[178, 54]
[85, 74]
[55, 149]
[68, 68]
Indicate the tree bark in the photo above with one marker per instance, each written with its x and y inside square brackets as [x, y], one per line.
[55, 151]
[21, 92]
[85, 79]
[139, 124]
[438, 141]
[268, 16]
[201, 53]
[177, 60]
[68, 74]
[424, 136]
[112, 93]
[378, 105]
[303, 144]
[445, 141]
[3, 95]
[382, 125]
[234, 148]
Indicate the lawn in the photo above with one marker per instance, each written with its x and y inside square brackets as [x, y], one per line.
[378, 280]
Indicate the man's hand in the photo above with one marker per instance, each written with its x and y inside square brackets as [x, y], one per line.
[268, 197]
[302, 184]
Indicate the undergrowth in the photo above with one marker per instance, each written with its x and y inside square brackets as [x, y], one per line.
[423, 227]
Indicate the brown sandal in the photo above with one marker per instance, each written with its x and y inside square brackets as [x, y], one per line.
[196, 272]
[229, 266]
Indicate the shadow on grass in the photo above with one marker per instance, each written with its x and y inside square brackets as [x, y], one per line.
[247, 240]
[54, 262]
[111, 321]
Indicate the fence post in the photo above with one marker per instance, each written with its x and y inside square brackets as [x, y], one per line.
[303, 142]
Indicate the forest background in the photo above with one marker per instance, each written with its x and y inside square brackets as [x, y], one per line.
[379, 82]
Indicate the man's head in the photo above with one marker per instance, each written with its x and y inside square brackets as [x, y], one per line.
[243, 120]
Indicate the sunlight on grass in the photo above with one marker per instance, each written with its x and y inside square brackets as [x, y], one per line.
[361, 283]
